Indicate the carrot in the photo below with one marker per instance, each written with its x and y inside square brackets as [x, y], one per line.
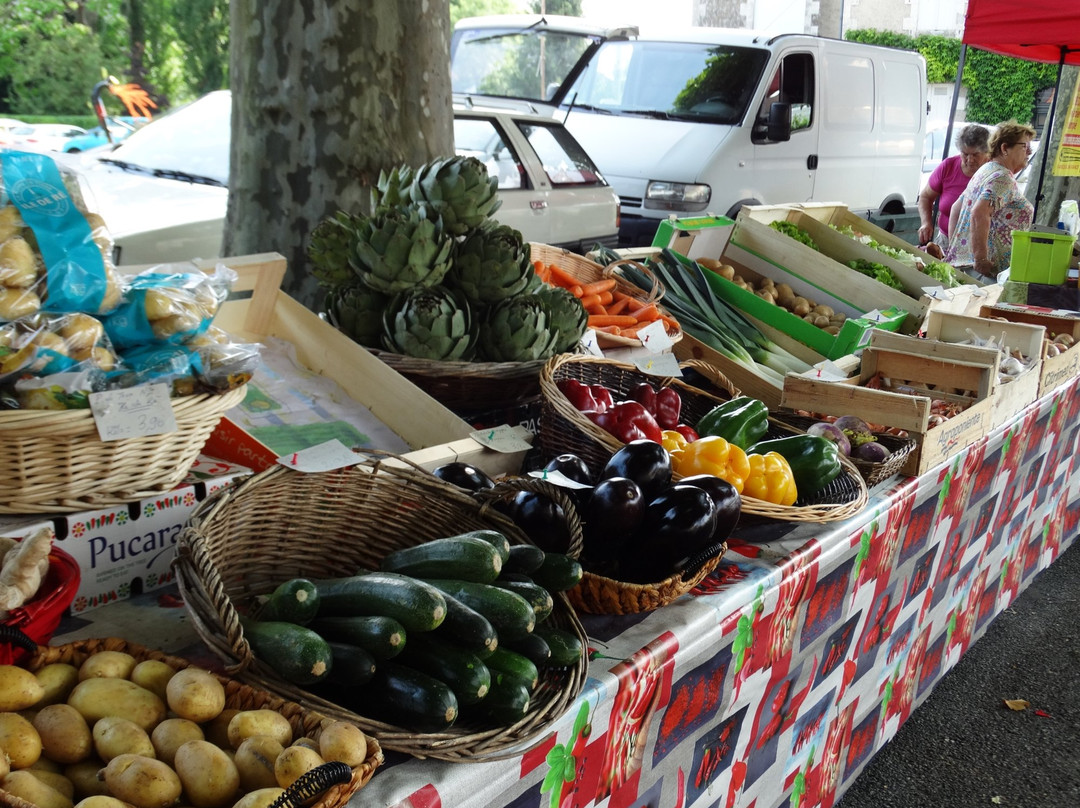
[591, 302]
[597, 320]
[543, 271]
[614, 330]
[618, 305]
[560, 277]
[671, 323]
[631, 332]
[647, 313]
[596, 287]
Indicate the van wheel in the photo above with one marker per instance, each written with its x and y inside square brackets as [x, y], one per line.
[733, 211]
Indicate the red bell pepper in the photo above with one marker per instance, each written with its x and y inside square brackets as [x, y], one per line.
[628, 421]
[604, 400]
[580, 395]
[668, 407]
[687, 432]
[644, 393]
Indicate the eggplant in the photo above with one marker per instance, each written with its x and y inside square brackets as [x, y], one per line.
[726, 499]
[464, 475]
[572, 467]
[645, 462]
[542, 519]
[678, 524]
[612, 515]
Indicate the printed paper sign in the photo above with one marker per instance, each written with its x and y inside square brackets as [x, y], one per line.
[133, 412]
[324, 457]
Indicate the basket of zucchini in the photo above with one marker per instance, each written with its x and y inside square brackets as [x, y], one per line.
[382, 595]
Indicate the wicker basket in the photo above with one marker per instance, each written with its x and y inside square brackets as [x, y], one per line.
[305, 723]
[52, 461]
[242, 541]
[564, 429]
[589, 271]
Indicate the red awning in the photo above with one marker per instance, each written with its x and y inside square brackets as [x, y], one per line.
[1036, 30]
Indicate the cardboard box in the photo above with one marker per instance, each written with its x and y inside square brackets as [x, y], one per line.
[1056, 370]
[929, 377]
[125, 550]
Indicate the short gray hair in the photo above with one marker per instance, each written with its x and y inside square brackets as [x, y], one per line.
[974, 136]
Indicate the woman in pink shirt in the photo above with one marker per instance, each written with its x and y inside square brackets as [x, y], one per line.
[949, 180]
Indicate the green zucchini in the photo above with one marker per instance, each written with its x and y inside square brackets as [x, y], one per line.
[533, 647]
[504, 662]
[506, 703]
[462, 670]
[406, 697]
[540, 598]
[296, 653]
[497, 540]
[462, 557]
[566, 648]
[382, 637]
[558, 573]
[414, 604]
[524, 558]
[509, 613]
[468, 628]
[353, 665]
[293, 601]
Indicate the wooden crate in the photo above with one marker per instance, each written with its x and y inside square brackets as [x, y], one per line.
[748, 382]
[1056, 370]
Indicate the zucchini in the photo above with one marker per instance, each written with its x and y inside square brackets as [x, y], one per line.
[382, 637]
[293, 601]
[540, 598]
[468, 628]
[524, 558]
[504, 662]
[414, 604]
[497, 540]
[462, 670]
[558, 573]
[566, 648]
[297, 654]
[532, 647]
[509, 613]
[506, 703]
[353, 665]
[406, 697]
[462, 557]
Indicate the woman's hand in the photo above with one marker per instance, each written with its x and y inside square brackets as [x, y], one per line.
[926, 233]
[984, 266]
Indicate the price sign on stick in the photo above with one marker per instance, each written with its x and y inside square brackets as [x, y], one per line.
[655, 337]
[133, 412]
[665, 364]
[505, 438]
[333, 454]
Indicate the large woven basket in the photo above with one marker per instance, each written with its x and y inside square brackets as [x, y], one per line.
[305, 723]
[564, 429]
[52, 461]
[242, 541]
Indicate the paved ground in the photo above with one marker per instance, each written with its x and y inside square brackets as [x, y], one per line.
[962, 748]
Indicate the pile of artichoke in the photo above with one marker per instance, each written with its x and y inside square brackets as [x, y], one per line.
[431, 274]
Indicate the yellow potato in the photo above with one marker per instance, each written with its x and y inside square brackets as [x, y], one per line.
[11, 222]
[248, 723]
[195, 694]
[343, 741]
[81, 332]
[294, 762]
[57, 680]
[20, 740]
[43, 764]
[5, 765]
[84, 776]
[54, 780]
[262, 798]
[19, 688]
[65, 735]
[164, 301]
[171, 734]
[18, 268]
[16, 303]
[209, 776]
[307, 743]
[107, 664]
[99, 697]
[153, 674]
[255, 762]
[217, 730]
[28, 787]
[113, 294]
[175, 324]
[142, 781]
[115, 736]
[101, 801]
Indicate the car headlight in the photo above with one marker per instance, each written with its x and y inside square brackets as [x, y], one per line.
[677, 196]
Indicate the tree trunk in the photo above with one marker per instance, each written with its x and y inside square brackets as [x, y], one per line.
[1055, 190]
[325, 95]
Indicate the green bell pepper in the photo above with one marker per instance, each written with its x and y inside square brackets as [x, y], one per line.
[814, 460]
[741, 421]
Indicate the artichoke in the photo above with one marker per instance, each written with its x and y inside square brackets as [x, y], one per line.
[329, 248]
[516, 330]
[392, 190]
[491, 264]
[431, 323]
[566, 316]
[401, 248]
[357, 311]
[459, 190]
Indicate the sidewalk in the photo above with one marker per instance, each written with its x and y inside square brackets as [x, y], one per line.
[963, 747]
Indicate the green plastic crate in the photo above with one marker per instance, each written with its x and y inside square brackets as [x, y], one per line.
[1040, 257]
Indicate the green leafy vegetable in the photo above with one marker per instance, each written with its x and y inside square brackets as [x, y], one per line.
[794, 231]
[879, 272]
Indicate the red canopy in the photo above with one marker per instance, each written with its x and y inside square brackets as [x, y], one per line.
[1036, 30]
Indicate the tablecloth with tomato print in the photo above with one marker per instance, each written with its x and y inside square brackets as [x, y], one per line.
[777, 679]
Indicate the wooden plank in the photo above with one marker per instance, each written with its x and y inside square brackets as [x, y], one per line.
[876, 406]
[935, 348]
[941, 375]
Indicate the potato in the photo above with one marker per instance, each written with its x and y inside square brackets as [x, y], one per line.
[65, 735]
[19, 689]
[261, 798]
[5, 765]
[195, 694]
[209, 776]
[54, 780]
[43, 764]
[57, 679]
[20, 740]
[154, 675]
[115, 736]
[307, 743]
[84, 776]
[142, 781]
[101, 801]
[16, 303]
[294, 762]
[171, 734]
[255, 762]
[248, 723]
[107, 664]
[345, 742]
[31, 789]
[217, 731]
[98, 697]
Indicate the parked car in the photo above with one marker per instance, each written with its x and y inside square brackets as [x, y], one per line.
[163, 191]
[6, 125]
[44, 136]
[119, 129]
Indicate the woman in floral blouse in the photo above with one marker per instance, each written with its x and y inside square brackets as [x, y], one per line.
[983, 218]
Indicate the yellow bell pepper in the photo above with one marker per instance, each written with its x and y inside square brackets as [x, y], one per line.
[673, 441]
[770, 479]
[712, 455]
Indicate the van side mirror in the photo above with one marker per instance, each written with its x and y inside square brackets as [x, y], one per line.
[779, 126]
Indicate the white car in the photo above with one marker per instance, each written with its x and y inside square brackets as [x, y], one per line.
[44, 136]
[163, 192]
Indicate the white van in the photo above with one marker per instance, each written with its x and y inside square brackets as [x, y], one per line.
[710, 119]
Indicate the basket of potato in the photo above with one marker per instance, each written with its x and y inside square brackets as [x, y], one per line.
[110, 724]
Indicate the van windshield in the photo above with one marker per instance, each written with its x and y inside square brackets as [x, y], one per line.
[678, 80]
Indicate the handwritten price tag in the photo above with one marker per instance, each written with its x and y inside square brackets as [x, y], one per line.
[655, 337]
[935, 292]
[558, 478]
[590, 343]
[133, 412]
[507, 439]
[664, 364]
[323, 457]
